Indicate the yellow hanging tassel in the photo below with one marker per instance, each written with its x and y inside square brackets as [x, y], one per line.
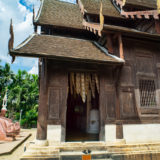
[71, 82]
[92, 86]
[78, 83]
[83, 95]
[86, 83]
[97, 81]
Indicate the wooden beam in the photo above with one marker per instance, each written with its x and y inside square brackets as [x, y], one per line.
[93, 27]
[141, 14]
[121, 52]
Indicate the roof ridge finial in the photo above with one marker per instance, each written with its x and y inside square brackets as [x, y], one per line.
[11, 39]
[33, 14]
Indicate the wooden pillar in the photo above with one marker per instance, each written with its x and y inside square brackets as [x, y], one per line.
[43, 96]
[120, 46]
[119, 125]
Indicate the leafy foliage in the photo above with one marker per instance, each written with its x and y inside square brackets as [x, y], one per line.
[23, 95]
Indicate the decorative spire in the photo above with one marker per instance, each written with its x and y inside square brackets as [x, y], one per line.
[101, 17]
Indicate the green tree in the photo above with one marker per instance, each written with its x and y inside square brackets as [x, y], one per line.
[23, 95]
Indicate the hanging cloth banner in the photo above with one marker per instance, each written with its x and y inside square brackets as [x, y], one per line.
[81, 83]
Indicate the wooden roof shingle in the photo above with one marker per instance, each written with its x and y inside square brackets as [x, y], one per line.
[58, 13]
[148, 4]
[93, 7]
[62, 48]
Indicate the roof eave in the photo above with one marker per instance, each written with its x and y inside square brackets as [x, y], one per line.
[36, 55]
[134, 32]
[37, 23]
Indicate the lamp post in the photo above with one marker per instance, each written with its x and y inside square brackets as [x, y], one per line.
[20, 116]
[4, 105]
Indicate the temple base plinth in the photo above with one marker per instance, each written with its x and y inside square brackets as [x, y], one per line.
[98, 151]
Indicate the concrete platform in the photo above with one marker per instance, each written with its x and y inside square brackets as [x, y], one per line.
[99, 151]
[9, 147]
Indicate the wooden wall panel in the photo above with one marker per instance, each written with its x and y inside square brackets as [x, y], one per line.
[144, 64]
[158, 74]
[142, 61]
[127, 104]
[107, 96]
[54, 103]
[126, 78]
[128, 49]
[111, 105]
[57, 101]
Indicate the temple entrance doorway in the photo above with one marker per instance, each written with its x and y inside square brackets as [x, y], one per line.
[82, 119]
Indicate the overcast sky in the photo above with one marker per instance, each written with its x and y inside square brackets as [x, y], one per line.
[21, 13]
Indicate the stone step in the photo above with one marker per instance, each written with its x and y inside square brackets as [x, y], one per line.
[96, 155]
[40, 158]
[74, 151]
[82, 148]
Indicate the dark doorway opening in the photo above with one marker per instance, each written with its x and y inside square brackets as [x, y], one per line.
[78, 116]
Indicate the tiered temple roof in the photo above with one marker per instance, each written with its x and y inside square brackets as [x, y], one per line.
[63, 48]
[60, 14]
[93, 7]
[141, 9]
[140, 4]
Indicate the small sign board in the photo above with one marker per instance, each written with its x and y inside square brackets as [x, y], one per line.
[86, 157]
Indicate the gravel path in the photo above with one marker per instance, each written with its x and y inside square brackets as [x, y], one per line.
[19, 151]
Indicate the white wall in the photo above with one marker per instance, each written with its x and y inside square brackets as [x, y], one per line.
[133, 133]
[55, 134]
[141, 133]
[110, 133]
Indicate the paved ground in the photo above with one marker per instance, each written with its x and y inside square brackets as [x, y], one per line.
[19, 151]
[9, 147]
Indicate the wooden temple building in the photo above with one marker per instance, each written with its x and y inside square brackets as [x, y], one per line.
[99, 70]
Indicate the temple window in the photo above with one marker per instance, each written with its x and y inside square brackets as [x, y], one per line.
[147, 91]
